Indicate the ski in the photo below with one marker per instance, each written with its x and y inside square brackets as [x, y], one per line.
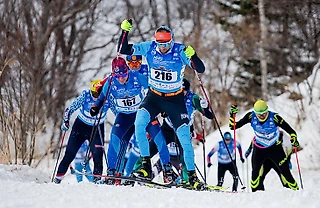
[217, 188]
[141, 181]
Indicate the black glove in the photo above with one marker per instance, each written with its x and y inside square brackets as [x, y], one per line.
[94, 110]
[209, 164]
[242, 160]
[294, 141]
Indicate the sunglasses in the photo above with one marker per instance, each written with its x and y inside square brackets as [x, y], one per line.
[166, 44]
[134, 64]
[121, 75]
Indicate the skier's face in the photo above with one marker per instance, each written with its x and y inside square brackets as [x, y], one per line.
[122, 79]
[94, 95]
[164, 49]
[164, 41]
[134, 65]
[262, 117]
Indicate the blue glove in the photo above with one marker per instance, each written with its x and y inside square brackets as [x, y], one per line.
[209, 164]
[65, 126]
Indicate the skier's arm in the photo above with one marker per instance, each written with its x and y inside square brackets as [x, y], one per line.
[213, 150]
[197, 105]
[75, 105]
[239, 150]
[126, 48]
[285, 126]
[102, 97]
[246, 119]
[194, 61]
[248, 152]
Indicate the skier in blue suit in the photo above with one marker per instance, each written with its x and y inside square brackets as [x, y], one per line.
[166, 60]
[81, 131]
[124, 92]
[224, 161]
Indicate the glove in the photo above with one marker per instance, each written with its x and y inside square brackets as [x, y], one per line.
[247, 153]
[209, 164]
[94, 110]
[203, 103]
[126, 25]
[231, 123]
[65, 126]
[234, 109]
[189, 51]
[197, 137]
[242, 160]
[294, 141]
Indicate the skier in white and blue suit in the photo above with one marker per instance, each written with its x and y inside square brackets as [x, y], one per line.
[124, 95]
[81, 131]
[224, 161]
[166, 60]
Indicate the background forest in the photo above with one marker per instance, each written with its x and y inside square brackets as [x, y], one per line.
[50, 50]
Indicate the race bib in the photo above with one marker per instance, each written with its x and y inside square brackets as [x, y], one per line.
[128, 102]
[165, 76]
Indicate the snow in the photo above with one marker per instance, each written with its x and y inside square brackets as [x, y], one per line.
[22, 186]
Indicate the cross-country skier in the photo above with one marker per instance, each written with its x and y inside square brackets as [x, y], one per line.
[124, 93]
[265, 125]
[81, 131]
[166, 60]
[193, 103]
[224, 161]
[268, 164]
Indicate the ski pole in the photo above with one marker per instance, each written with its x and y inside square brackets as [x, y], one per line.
[199, 172]
[234, 136]
[247, 173]
[299, 171]
[55, 167]
[102, 145]
[216, 121]
[204, 150]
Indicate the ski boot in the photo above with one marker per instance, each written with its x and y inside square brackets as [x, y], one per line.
[184, 184]
[169, 174]
[97, 180]
[110, 181]
[195, 182]
[145, 170]
[57, 180]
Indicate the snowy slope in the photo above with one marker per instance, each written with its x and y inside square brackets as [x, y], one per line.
[28, 188]
[21, 186]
